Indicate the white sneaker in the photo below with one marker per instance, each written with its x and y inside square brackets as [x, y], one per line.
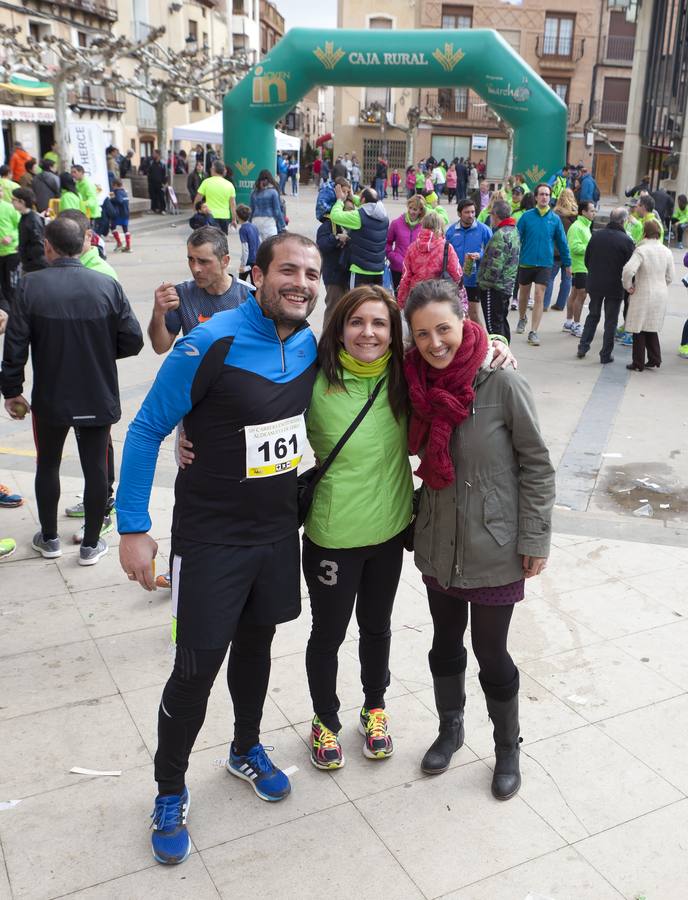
[89, 556]
[531, 303]
[533, 339]
[567, 326]
[521, 327]
[577, 330]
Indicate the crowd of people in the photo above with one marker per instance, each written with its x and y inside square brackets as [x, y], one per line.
[413, 361]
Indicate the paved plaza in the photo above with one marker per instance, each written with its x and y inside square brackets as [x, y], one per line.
[600, 642]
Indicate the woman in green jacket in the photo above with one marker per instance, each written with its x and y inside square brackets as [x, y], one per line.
[354, 532]
[578, 237]
[69, 198]
[484, 518]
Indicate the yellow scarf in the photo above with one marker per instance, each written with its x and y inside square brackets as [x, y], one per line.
[364, 369]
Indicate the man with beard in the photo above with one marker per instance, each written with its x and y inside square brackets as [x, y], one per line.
[241, 382]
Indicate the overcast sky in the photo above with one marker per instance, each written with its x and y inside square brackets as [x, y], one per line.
[305, 14]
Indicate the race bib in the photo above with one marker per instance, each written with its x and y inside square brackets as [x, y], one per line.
[274, 447]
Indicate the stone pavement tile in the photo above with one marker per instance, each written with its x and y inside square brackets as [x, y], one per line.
[157, 883]
[85, 578]
[662, 650]
[413, 728]
[225, 807]
[563, 875]
[292, 637]
[449, 831]
[613, 609]
[626, 558]
[542, 715]
[34, 624]
[65, 840]
[139, 658]
[666, 585]
[408, 659]
[38, 750]
[411, 608]
[565, 572]
[5, 890]
[657, 735]
[56, 676]
[600, 681]
[219, 721]
[539, 629]
[289, 686]
[647, 857]
[121, 608]
[341, 857]
[35, 580]
[582, 783]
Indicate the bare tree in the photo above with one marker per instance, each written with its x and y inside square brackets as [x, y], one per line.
[165, 76]
[59, 63]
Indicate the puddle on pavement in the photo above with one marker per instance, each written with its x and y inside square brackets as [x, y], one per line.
[632, 486]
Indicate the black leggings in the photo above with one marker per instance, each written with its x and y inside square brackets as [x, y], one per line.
[92, 442]
[8, 280]
[185, 699]
[489, 632]
[495, 306]
[337, 579]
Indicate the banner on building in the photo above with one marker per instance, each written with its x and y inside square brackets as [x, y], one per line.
[88, 150]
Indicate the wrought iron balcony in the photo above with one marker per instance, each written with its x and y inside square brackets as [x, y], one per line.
[461, 107]
[611, 112]
[104, 9]
[619, 49]
[85, 101]
[559, 52]
[575, 113]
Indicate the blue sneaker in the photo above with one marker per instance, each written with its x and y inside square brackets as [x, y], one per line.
[269, 782]
[170, 839]
[627, 340]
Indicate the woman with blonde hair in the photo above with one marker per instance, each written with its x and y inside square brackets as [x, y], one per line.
[402, 233]
[428, 257]
[646, 276]
[485, 214]
[567, 210]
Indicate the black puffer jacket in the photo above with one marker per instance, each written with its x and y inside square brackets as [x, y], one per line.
[608, 251]
[77, 323]
[31, 249]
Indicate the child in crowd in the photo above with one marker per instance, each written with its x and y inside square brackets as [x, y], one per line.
[202, 216]
[120, 218]
[395, 184]
[250, 241]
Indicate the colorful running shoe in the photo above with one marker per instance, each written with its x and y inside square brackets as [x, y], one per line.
[373, 724]
[163, 581]
[108, 526]
[49, 549]
[683, 351]
[326, 751]
[627, 339]
[170, 839]
[256, 767]
[7, 547]
[8, 500]
[76, 511]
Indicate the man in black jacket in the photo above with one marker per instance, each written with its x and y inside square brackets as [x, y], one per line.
[157, 178]
[31, 225]
[45, 185]
[77, 323]
[607, 253]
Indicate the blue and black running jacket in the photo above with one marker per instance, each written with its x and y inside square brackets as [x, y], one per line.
[227, 373]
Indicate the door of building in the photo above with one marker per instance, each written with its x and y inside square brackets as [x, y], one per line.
[605, 172]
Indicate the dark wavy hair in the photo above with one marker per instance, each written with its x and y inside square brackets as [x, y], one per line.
[331, 343]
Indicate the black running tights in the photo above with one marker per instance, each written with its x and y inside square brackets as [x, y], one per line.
[489, 632]
[185, 699]
[92, 442]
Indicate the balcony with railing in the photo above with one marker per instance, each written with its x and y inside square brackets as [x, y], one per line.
[103, 9]
[575, 113]
[86, 100]
[619, 49]
[611, 112]
[456, 105]
[559, 51]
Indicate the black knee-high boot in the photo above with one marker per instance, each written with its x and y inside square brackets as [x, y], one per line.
[502, 707]
[450, 699]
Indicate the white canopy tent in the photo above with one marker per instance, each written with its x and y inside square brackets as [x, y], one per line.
[209, 131]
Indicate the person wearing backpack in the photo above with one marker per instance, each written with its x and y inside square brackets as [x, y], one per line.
[588, 189]
[426, 257]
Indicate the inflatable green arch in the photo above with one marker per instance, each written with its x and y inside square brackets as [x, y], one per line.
[479, 59]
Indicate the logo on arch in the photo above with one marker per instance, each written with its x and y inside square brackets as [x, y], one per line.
[329, 57]
[244, 166]
[534, 174]
[448, 58]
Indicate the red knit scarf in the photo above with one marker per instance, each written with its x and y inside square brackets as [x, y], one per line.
[440, 401]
